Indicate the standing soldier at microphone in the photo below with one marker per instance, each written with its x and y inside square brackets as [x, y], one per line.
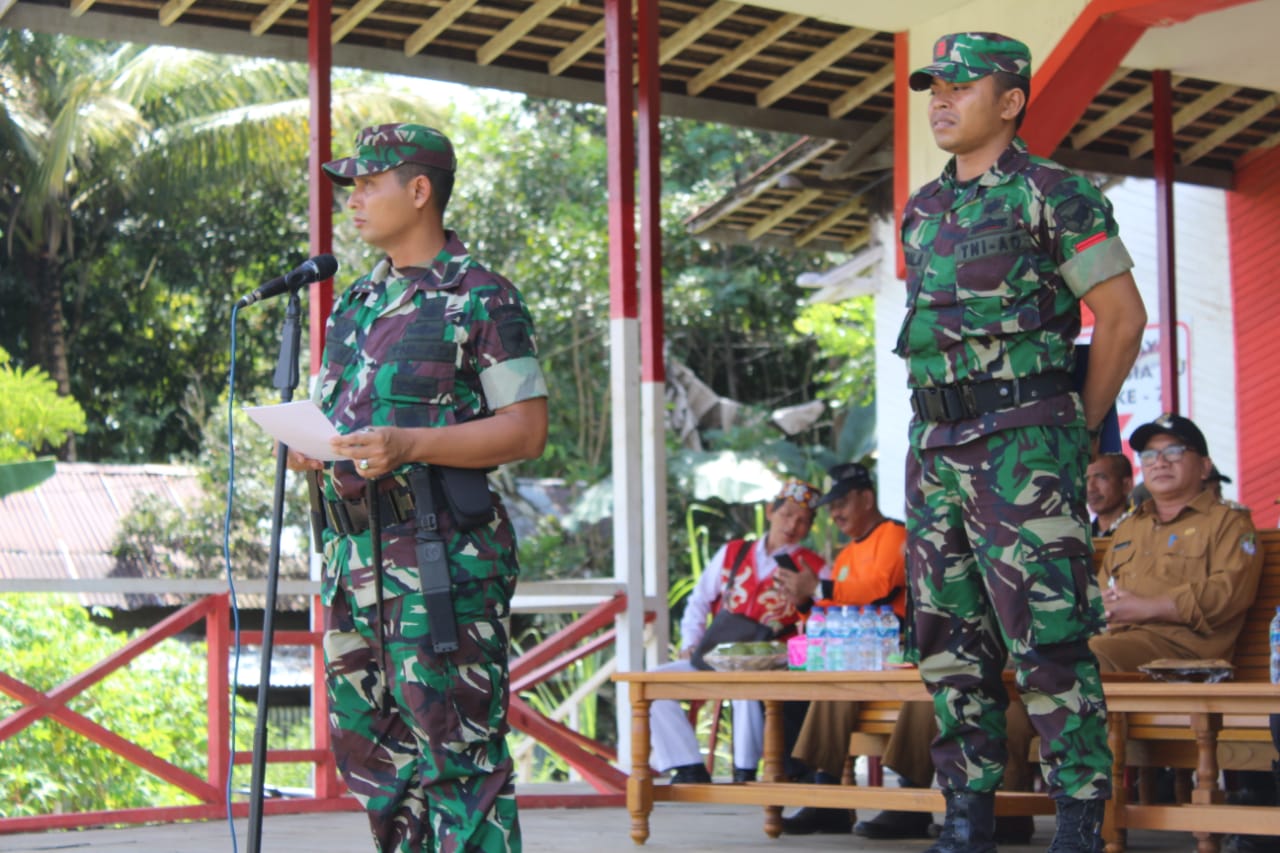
[430, 375]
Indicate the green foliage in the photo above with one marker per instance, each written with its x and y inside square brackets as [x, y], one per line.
[33, 414]
[158, 702]
[581, 696]
[142, 189]
[845, 335]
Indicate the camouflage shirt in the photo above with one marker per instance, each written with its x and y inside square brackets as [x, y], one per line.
[423, 347]
[996, 267]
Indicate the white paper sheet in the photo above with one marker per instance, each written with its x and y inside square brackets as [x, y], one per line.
[299, 424]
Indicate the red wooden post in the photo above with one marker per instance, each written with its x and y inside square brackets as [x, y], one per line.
[217, 655]
[320, 211]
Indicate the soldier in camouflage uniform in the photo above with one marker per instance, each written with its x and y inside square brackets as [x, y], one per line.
[1000, 251]
[429, 361]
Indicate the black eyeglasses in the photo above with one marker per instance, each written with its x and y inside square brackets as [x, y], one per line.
[1172, 453]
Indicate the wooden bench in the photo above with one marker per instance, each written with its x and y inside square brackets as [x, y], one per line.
[1159, 740]
[1205, 727]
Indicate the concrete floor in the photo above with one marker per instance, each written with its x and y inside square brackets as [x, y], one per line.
[673, 826]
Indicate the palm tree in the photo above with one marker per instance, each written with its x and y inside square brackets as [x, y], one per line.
[86, 128]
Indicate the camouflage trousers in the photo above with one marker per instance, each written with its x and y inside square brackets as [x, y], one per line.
[1000, 568]
[423, 745]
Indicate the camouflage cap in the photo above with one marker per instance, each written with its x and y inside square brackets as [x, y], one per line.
[965, 57]
[389, 145]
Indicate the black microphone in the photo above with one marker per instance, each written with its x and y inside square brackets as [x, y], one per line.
[317, 269]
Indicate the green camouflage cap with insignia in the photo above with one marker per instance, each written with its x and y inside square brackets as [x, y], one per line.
[965, 57]
[387, 146]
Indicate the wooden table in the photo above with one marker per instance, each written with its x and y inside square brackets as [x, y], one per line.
[1204, 703]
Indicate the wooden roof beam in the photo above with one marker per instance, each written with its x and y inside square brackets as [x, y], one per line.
[351, 18]
[435, 25]
[784, 164]
[797, 204]
[78, 7]
[580, 46]
[517, 29]
[1187, 114]
[269, 15]
[1112, 117]
[728, 63]
[857, 241]
[835, 217]
[850, 162]
[1230, 129]
[873, 85]
[691, 32]
[576, 49]
[814, 65]
[694, 30]
[173, 10]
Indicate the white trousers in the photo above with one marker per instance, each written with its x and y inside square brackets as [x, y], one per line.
[675, 744]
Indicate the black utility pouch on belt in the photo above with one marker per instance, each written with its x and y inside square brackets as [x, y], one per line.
[433, 565]
[466, 490]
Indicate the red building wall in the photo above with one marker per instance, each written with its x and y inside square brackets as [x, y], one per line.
[1253, 222]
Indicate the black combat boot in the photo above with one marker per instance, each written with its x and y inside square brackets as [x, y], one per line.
[1079, 826]
[970, 824]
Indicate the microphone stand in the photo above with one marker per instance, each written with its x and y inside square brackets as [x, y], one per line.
[286, 380]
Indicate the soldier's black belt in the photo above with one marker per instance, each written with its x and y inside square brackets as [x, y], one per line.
[351, 517]
[964, 401]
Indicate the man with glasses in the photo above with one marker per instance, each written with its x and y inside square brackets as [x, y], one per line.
[1183, 567]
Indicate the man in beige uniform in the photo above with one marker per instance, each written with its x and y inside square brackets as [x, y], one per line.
[1179, 576]
[1183, 568]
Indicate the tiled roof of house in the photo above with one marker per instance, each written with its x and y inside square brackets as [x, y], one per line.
[64, 528]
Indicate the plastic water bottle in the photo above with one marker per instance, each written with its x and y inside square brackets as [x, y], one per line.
[888, 634]
[868, 630]
[815, 631]
[1275, 647]
[852, 637]
[837, 637]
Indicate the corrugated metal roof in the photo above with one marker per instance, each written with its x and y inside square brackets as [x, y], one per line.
[64, 528]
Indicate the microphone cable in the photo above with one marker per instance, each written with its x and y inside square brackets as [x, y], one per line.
[231, 582]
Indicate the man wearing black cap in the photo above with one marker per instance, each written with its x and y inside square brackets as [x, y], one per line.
[1000, 252]
[1183, 567]
[1183, 570]
[869, 570]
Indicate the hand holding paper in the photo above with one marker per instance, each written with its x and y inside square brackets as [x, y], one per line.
[300, 425]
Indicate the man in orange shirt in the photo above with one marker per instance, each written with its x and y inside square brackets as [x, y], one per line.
[869, 571]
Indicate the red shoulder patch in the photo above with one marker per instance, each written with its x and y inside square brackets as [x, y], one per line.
[1091, 241]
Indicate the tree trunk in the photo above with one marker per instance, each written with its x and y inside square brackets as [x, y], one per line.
[53, 355]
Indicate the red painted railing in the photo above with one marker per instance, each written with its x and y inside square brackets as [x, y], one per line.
[593, 760]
